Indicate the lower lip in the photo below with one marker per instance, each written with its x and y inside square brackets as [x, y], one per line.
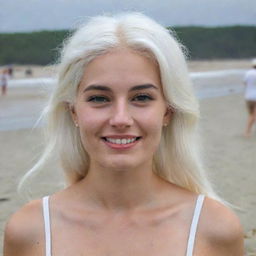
[121, 146]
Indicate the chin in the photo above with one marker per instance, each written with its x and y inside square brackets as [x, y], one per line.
[121, 164]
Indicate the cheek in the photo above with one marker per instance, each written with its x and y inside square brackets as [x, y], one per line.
[89, 120]
[156, 134]
[90, 126]
[153, 124]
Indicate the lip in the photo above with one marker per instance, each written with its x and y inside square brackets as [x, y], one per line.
[120, 136]
[121, 146]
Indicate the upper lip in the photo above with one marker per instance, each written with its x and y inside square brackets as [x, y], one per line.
[124, 136]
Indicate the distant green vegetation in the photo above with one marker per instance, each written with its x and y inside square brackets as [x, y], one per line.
[31, 48]
[202, 43]
[235, 42]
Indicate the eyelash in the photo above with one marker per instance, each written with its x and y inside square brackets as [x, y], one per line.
[95, 99]
[103, 99]
[145, 97]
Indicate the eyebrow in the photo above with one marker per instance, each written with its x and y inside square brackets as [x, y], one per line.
[106, 88]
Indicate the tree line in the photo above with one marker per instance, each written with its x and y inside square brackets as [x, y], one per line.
[235, 42]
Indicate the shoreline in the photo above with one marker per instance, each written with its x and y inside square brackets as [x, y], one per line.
[15, 111]
[193, 66]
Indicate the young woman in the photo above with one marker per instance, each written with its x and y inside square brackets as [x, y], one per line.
[123, 119]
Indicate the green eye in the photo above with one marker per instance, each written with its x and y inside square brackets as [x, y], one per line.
[98, 99]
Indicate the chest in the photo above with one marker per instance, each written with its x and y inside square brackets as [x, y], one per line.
[125, 238]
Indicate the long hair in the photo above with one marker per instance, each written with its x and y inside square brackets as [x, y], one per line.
[177, 159]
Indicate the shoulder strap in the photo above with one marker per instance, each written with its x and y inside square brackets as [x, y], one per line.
[47, 226]
[194, 224]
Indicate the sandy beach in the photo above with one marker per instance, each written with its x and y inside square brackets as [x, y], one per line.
[229, 157]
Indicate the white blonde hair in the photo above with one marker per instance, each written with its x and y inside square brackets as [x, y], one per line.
[177, 159]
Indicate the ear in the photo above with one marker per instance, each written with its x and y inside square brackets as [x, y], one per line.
[72, 111]
[167, 116]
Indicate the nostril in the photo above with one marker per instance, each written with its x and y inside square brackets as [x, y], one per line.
[121, 122]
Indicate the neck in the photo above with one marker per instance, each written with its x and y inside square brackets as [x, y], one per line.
[122, 189]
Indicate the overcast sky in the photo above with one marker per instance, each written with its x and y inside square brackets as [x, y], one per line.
[28, 15]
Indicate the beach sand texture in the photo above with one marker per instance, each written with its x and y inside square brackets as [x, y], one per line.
[229, 157]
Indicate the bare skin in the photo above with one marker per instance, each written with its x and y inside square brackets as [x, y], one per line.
[121, 208]
[250, 122]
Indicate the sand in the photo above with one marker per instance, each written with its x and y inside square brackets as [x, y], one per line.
[194, 66]
[229, 157]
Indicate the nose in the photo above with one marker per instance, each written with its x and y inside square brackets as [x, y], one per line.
[121, 116]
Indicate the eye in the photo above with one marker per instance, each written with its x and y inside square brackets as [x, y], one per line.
[142, 98]
[98, 99]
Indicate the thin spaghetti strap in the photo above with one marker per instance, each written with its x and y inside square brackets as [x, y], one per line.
[194, 224]
[47, 226]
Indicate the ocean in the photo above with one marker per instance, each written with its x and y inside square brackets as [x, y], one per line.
[24, 112]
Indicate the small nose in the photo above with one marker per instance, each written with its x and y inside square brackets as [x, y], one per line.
[121, 116]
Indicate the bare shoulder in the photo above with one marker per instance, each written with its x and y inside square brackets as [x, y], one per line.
[220, 230]
[23, 231]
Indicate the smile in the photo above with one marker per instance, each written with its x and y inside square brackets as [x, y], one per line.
[121, 142]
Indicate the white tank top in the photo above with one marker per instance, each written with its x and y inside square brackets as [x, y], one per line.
[250, 80]
[190, 243]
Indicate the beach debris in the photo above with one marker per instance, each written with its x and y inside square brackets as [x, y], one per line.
[250, 234]
[4, 199]
[28, 72]
[250, 237]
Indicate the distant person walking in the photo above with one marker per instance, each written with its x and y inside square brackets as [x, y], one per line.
[10, 71]
[250, 97]
[4, 81]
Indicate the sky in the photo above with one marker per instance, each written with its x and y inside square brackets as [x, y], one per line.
[36, 15]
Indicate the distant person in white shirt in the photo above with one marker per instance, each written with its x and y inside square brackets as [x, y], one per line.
[250, 97]
[3, 81]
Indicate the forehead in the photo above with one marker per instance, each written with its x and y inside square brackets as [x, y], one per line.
[122, 67]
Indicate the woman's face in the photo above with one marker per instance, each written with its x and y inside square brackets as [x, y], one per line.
[120, 110]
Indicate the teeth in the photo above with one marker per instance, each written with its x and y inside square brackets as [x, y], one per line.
[120, 141]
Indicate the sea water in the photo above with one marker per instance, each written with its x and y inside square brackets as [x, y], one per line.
[25, 114]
